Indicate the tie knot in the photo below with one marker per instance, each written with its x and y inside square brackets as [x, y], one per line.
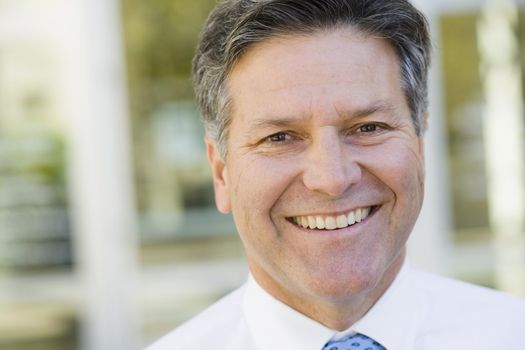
[354, 342]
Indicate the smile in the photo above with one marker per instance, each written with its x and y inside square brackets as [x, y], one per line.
[328, 222]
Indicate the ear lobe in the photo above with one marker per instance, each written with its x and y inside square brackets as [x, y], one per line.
[220, 177]
[424, 122]
[421, 141]
[424, 126]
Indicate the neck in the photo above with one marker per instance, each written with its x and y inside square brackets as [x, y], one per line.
[335, 313]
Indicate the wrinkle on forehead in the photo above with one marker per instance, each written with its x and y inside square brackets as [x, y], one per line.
[270, 121]
[253, 53]
[314, 57]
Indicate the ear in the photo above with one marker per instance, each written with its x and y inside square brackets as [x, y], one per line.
[424, 122]
[220, 177]
[421, 141]
[424, 127]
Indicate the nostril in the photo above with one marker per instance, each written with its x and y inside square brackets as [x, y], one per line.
[333, 180]
[331, 167]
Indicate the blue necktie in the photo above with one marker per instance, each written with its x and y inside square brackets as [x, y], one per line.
[354, 342]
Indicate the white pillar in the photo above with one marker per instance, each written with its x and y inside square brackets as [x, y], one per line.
[101, 174]
[504, 146]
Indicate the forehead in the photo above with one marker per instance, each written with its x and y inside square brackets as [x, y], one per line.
[338, 66]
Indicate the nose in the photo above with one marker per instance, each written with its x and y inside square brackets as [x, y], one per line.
[331, 168]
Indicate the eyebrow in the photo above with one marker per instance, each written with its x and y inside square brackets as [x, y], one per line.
[376, 107]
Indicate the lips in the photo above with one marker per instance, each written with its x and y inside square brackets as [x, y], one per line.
[332, 222]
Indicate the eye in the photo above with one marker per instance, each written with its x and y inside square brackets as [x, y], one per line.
[280, 142]
[372, 128]
[366, 128]
[279, 137]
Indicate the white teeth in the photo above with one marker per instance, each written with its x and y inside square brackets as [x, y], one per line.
[320, 222]
[351, 218]
[304, 221]
[358, 215]
[311, 222]
[341, 221]
[332, 222]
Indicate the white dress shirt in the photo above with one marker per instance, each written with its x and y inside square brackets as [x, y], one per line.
[419, 311]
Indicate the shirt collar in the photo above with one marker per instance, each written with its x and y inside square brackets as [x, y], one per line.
[392, 321]
[276, 326]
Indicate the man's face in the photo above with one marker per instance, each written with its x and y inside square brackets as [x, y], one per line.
[324, 172]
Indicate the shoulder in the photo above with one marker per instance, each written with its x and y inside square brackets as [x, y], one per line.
[455, 306]
[215, 325]
[453, 291]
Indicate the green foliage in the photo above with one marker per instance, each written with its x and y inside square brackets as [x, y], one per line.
[462, 81]
[160, 39]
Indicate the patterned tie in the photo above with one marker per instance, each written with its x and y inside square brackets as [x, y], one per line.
[354, 342]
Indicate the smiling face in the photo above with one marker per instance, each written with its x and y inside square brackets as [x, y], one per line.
[324, 172]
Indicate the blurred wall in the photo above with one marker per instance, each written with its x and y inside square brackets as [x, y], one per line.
[105, 193]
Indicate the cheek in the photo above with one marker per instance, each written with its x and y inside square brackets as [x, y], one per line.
[403, 166]
[400, 167]
[257, 184]
[407, 176]
[409, 191]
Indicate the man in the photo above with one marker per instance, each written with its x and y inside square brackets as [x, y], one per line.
[315, 113]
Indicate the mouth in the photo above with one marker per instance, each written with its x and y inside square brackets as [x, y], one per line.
[333, 222]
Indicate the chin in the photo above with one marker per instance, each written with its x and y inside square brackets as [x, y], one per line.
[343, 283]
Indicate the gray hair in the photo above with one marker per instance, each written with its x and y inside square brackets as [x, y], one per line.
[236, 25]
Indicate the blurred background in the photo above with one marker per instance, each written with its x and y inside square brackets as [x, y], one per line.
[108, 233]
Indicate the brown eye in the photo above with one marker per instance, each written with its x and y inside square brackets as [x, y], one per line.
[368, 128]
[278, 137]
